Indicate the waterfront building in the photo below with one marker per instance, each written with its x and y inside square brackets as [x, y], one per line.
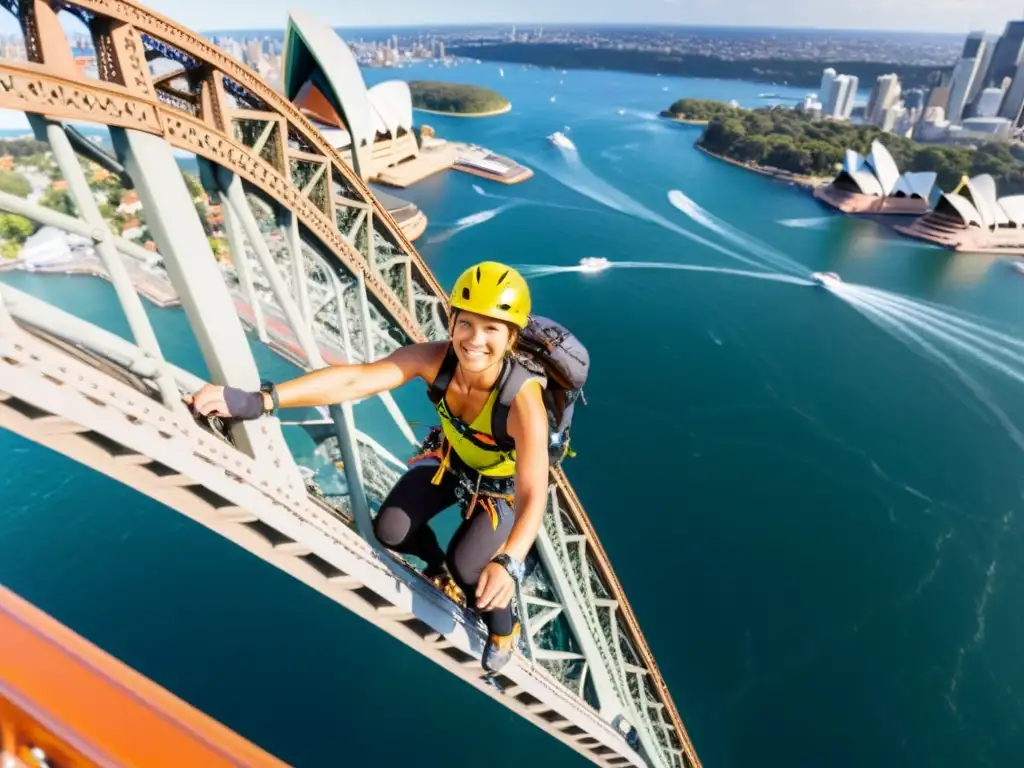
[973, 218]
[874, 185]
[372, 129]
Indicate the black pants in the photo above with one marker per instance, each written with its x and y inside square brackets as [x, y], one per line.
[402, 526]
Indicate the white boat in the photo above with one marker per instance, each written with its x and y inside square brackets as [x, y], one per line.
[1019, 265]
[561, 141]
[825, 278]
[594, 264]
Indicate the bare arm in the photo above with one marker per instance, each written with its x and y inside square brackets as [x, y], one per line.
[528, 426]
[338, 383]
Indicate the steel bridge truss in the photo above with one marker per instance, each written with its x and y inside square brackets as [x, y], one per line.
[328, 277]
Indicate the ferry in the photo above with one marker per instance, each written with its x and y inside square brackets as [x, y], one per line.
[561, 141]
[825, 278]
[594, 264]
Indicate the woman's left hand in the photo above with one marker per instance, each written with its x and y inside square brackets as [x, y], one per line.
[495, 589]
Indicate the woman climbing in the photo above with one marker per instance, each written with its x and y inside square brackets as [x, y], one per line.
[501, 490]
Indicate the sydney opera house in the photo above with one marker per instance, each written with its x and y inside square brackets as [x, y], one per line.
[874, 185]
[372, 128]
[973, 218]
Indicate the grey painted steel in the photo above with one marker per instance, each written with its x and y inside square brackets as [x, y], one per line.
[131, 302]
[364, 311]
[15, 304]
[606, 694]
[291, 225]
[236, 244]
[192, 268]
[231, 187]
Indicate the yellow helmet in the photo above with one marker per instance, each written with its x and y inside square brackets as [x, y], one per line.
[493, 290]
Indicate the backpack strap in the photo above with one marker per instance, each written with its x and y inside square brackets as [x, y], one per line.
[440, 384]
[513, 378]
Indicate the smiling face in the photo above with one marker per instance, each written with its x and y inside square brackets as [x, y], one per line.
[480, 342]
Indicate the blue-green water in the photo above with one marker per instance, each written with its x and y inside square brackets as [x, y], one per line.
[818, 528]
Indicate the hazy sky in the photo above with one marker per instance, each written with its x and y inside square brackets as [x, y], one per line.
[924, 15]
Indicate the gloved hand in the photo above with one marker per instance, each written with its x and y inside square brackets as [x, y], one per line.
[226, 402]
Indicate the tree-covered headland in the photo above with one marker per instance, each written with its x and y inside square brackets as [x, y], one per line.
[455, 98]
[793, 141]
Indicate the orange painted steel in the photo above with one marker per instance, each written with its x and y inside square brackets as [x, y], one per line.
[82, 707]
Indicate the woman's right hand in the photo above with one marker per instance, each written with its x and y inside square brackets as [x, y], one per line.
[226, 402]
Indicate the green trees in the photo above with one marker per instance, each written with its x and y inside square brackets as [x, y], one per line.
[59, 200]
[455, 98]
[14, 184]
[792, 141]
[700, 109]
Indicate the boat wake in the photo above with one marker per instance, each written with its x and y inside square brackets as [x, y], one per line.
[594, 264]
[574, 174]
[525, 201]
[946, 337]
[818, 222]
[750, 244]
[472, 220]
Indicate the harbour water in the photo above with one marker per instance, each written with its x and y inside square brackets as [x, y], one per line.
[819, 525]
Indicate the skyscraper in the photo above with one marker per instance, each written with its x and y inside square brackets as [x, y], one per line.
[1007, 54]
[965, 72]
[851, 94]
[839, 102]
[1013, 101]
[884, 94]
[827, 77]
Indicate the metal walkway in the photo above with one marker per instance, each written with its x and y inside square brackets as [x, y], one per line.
[318, 270]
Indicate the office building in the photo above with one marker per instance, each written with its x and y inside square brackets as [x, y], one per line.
[965, 72]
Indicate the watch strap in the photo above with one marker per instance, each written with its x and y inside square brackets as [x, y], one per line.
[270, 389]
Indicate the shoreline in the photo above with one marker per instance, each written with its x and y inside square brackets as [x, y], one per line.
[504, 110]
[805, 182]
[683, 120]
[151, 287]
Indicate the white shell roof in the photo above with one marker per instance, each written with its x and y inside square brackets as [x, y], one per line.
[393, 101]
[868, 184]
[852, 161]
[982, 189]
[884, 167]
[1014, 208]
[920, 184]
[963, 206]
[341, 70]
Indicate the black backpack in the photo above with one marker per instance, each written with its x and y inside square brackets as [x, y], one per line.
[545, 348]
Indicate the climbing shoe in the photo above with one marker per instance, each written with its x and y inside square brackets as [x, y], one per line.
[499, 649]
[445, 584]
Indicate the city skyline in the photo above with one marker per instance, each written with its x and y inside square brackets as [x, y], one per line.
[947, 16]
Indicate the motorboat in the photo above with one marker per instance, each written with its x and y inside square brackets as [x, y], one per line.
[1018, 265]
[594, 264]
[561, 141]
[825, 278]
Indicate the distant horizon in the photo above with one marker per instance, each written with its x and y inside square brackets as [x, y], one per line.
[527, 25]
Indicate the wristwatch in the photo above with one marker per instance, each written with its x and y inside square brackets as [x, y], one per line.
[514, 567]
[270, 389]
